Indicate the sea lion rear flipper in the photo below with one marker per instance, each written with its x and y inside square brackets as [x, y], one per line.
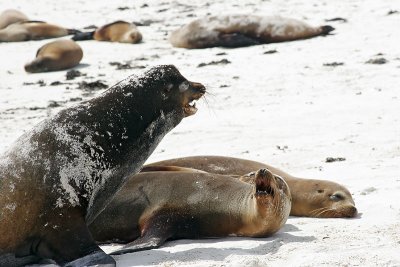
[236, 40]
[142, 243]
[326, 29]
[73, 31]
[83, 36]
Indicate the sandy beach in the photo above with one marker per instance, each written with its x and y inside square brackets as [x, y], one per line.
[291, 105]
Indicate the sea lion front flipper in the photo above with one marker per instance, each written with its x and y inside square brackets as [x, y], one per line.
[11, 260]
[70, 244]
[236, 40]
[157, 229]
[83, 36]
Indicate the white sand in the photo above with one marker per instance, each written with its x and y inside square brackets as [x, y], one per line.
[256, 104]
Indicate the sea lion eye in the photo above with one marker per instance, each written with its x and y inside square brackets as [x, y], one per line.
[169, 87]
[320, 191]
[183, 86]
[336, 197]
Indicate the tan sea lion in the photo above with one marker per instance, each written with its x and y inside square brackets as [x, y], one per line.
[310, 197]
[32, 30]
[117, 31]
[153, 207]
[58, 177]
[56, 55]
[11, 16]
[242, 30]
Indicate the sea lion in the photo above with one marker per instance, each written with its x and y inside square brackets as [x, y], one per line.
[242, 30]
[153, 207]
[56, 55]
[310, 197]
[117, 31]
[32, 30]
[11, 16]
[58, 177]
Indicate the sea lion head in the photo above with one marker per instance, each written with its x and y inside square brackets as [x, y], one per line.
[176, 92]
[325, 199]
[37, 65]
[273, 200]
[133, 37]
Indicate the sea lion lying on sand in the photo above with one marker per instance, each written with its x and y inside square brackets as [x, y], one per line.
[56, 55]
[153, 207]
[32, 30]
[117, 31]
[243, 30]
[310, 197]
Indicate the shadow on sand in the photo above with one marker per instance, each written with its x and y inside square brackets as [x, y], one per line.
[270, 245]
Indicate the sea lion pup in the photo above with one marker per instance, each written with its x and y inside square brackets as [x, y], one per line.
[32, 30]
[310, 197]
[242, 30]
[56, 55]
[153, 207]
[58, 177]
[11, 16]
[118, 31]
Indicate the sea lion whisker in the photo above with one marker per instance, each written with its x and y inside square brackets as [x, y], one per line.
[318, 211]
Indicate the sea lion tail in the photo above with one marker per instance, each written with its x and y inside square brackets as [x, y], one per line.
[326, 29]
[83, 36]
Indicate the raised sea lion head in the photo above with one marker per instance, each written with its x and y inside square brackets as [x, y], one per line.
[175, 88]
[273, 203]
[325, 199]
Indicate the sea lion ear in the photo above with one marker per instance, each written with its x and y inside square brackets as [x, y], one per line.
[263, 181]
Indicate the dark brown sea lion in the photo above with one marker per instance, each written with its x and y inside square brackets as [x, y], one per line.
[153, 207]
[118, 31]
[58, 177]
[11, 16]
[242, 30]
[56, 55]
[32, 30]
[310, 197]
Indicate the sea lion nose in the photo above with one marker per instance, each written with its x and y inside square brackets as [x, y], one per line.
[198, 86]
[353, 211]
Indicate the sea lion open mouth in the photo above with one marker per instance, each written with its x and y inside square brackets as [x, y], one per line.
[195, 91]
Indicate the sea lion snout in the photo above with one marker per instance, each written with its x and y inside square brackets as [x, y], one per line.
[192, 91]
[36, 66]
[264, 182]
[136, 37]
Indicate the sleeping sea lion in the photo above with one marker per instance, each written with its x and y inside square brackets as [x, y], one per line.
[32, 30]
[11, 16]
[118, 31]
[153, 207]
[59, 176]
[56, 55]
[242, 30]
[310, 197]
